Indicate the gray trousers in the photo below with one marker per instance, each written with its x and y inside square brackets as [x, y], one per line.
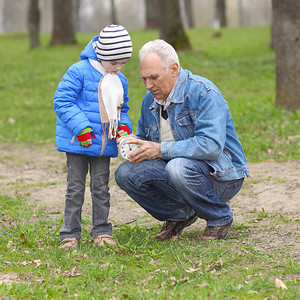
[78, 166]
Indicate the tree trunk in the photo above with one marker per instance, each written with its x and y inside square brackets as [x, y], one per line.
[220, 18]
[286, 18]
[272, 34]
[113, 12]
[152, 14]
[171, 27]
[34, 24]
[189, 13]
[63, 22]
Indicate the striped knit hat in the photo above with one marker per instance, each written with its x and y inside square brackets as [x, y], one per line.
[114, 43]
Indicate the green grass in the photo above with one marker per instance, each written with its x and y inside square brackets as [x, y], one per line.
[239, 62]
[139, 267]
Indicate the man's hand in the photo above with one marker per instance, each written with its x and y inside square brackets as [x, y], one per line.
[119, 139]
[147, 151]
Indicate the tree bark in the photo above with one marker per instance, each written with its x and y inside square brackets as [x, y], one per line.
[189, 13]
[34, 24]
[220, 13]
[113, 12]
[286, 18]
[152, 14]
[63, 22]
[171, 27]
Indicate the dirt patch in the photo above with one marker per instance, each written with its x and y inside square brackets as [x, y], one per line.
[39, 175]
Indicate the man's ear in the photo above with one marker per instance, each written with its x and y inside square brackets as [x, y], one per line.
[174, 69]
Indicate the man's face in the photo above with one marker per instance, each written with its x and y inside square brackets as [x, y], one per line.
[157, 80]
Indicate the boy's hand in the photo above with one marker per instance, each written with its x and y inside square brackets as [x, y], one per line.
[84, 137]
[122, 130]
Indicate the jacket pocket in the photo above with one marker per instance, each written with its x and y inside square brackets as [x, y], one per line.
[186, 124]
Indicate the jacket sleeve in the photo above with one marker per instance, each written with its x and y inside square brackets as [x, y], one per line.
[65, 101]
[209, 131]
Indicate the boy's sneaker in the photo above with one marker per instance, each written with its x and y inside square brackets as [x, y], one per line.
[104, 240]
[216, 232]
[69, 243]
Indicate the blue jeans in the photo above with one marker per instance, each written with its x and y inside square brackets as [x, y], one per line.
[78, 166]
[174, 190]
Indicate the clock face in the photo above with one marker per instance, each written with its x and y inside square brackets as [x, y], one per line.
[125, 149]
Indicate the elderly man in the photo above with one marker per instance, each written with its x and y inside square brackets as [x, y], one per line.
[189, 162]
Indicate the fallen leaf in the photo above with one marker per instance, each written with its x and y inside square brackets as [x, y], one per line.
[293, 137]
[75, 272]
[38, 262]
[173, 280]
[192, 270]
[153, 261]
[120, 252]
[279, 284]
[185, 279]
[208, 267]
[11, 121]
[9, 244]
[220, 261]
[175, 238]
[144, 281]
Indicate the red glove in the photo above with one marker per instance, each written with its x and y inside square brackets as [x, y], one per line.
[122, 130]
[84, 137]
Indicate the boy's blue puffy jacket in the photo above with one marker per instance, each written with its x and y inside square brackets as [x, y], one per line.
[76, 105]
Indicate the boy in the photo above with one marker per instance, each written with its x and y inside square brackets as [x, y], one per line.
[91, 104]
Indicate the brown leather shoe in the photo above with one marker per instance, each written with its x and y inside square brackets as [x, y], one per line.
[174, 228]
[216, 232]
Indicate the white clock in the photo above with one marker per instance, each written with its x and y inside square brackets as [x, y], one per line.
[126, 149]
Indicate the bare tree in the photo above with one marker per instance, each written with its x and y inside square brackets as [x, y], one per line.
[189, 12]
[152, 15]
[34, 23]
[220, 14]
[113, 12]
[286, 35]
[171, 27]
[63, 22]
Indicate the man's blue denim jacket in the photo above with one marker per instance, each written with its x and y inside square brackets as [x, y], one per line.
[201, 125]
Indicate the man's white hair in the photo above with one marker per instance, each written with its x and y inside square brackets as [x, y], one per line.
[163, 49]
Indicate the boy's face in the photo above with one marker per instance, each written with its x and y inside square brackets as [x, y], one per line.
[114, 66]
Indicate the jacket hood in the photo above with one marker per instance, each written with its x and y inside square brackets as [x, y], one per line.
[89, 51]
